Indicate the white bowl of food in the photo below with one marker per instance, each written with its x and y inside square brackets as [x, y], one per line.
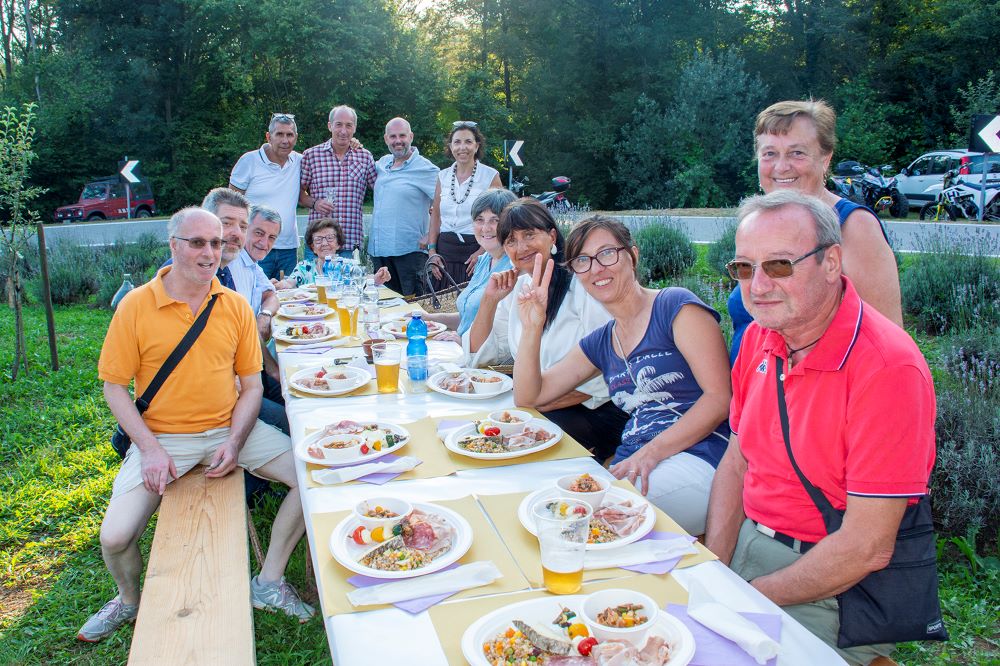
[510, 421]
[584, 487]
[336, 448]
[483, 383]
[384, 512]
[339, 377]
[620, 614]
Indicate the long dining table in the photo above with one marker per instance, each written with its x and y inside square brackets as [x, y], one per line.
[391, 635]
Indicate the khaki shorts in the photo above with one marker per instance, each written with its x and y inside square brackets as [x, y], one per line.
[758, 555]
[263, 445]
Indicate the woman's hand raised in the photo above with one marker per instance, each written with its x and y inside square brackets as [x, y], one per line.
[534, 297]
[500, 285]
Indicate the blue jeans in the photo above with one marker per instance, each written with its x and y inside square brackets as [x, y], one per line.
[279, 260]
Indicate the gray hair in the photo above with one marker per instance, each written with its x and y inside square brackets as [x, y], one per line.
[343, 107]
[286, 120]
[266, 212]
[824, 219]
[223, 195]
[495, 199]
[181, 216]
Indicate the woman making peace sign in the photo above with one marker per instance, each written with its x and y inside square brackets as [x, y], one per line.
[663, 358]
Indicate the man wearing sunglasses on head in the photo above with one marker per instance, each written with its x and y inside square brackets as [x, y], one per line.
[827, 386]
[270, 176]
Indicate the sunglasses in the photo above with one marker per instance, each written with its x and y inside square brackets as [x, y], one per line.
[606, 257]
[199, 243]
[470, 124]
[773, 268]
[283, 117]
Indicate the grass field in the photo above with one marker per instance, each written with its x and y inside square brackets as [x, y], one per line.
[56, 469]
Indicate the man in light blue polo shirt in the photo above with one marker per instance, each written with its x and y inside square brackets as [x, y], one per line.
[270, 175]
[404, 190]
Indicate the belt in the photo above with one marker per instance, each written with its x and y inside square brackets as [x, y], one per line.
[797, 545]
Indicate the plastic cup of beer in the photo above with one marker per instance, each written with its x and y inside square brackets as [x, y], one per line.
[562, 525]
[322, 283]
[387, 356]
[347, 311]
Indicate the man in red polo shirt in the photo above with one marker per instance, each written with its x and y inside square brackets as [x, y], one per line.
[861, 410]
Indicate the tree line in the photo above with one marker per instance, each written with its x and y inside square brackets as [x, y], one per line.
[643, 103]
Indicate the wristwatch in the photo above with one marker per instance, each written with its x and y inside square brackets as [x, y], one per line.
[265, 311]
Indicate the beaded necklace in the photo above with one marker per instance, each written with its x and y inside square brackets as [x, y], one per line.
[468, 183]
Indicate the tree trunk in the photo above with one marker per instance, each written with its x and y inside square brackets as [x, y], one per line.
[20, 350]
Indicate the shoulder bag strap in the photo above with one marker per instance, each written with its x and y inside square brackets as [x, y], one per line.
[831, 517]
[142, 403]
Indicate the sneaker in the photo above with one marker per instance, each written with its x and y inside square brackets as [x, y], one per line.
[104, 622]
[279, 596]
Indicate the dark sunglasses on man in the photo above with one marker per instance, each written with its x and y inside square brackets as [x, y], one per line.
[199, 243]
[773, 268]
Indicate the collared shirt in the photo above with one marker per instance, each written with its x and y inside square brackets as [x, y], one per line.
[403, 197]
[271, 184]
[249, 279]
[342, 181]
[861, 418]
[200, 393]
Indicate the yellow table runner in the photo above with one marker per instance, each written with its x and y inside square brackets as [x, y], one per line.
[424, 444]
[452, 619]
[486, 545]
[567, 447]
[502, 510]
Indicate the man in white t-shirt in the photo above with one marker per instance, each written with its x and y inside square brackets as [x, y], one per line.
[270, 175]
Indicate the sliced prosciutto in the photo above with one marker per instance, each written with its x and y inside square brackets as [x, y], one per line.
[426, 531]
[623, 518]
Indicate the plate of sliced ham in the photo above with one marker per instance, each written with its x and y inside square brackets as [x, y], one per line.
[428, 539]
[623, 517]
[471, 440]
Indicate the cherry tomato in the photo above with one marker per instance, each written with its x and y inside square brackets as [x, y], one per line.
[364, 449]
[359, 535]
[492, 431]
[580, 510]
[586, 645]
[321, 373]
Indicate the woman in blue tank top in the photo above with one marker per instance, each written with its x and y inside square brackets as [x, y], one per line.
[794, 144]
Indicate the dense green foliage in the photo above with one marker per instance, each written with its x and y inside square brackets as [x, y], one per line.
[641, 103]
[664, 252]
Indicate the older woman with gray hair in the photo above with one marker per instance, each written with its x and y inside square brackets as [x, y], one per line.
[486, 211]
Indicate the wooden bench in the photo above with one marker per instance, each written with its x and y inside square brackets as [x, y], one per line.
[195, 606]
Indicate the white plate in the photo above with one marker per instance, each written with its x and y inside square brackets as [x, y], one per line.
[434, 384]
[348, 553]
[614, 493]
[451, 441]
[395, 328]
[302, 448]
[360, 377]
[292, 296]
[284, 312]
[541, 612]
[330, 336]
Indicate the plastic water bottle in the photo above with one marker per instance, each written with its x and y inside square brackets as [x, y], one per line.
[328, 266]
[126, 287]
[370, 294]
[416, 353]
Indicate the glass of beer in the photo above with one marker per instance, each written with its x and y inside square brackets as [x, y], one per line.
[562, 525]
[333, 294]
[322, 283]
[347, 311]
[386, 356]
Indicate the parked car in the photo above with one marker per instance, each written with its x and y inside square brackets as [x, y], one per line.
[928, 170]
[105, 199]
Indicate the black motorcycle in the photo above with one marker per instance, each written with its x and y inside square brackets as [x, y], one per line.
[555, 199]
[870, 187]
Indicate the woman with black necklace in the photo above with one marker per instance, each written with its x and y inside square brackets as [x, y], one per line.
[451, 243]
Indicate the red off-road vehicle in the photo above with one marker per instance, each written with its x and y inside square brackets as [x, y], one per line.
[104, 199]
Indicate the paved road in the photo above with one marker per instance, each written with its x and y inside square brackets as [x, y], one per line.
[906, 236]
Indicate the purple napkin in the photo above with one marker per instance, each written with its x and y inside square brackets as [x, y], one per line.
[411, 606]
[712, 649]
[447, 424]
[376, 478]
[665, 566]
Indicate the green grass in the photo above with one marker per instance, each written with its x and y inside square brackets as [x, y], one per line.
[56, 469]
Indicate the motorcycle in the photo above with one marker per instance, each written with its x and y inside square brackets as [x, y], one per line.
[959, 198]
[844, 181]
[555, 199]
[881, 193]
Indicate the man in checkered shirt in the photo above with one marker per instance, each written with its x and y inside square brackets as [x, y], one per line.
[335, 176]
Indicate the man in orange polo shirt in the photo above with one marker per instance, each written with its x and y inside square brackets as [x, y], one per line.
[198, 416]
[860, 403]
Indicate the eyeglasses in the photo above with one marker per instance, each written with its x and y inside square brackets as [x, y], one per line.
[283, 117]
[606, 257]
[199, 243]
[469, 124]
[773, 268]
[324, 240]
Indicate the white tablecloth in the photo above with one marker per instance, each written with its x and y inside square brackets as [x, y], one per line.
[356, 638]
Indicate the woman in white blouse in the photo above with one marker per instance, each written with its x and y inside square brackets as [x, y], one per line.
[450, 240]
[527, 229]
